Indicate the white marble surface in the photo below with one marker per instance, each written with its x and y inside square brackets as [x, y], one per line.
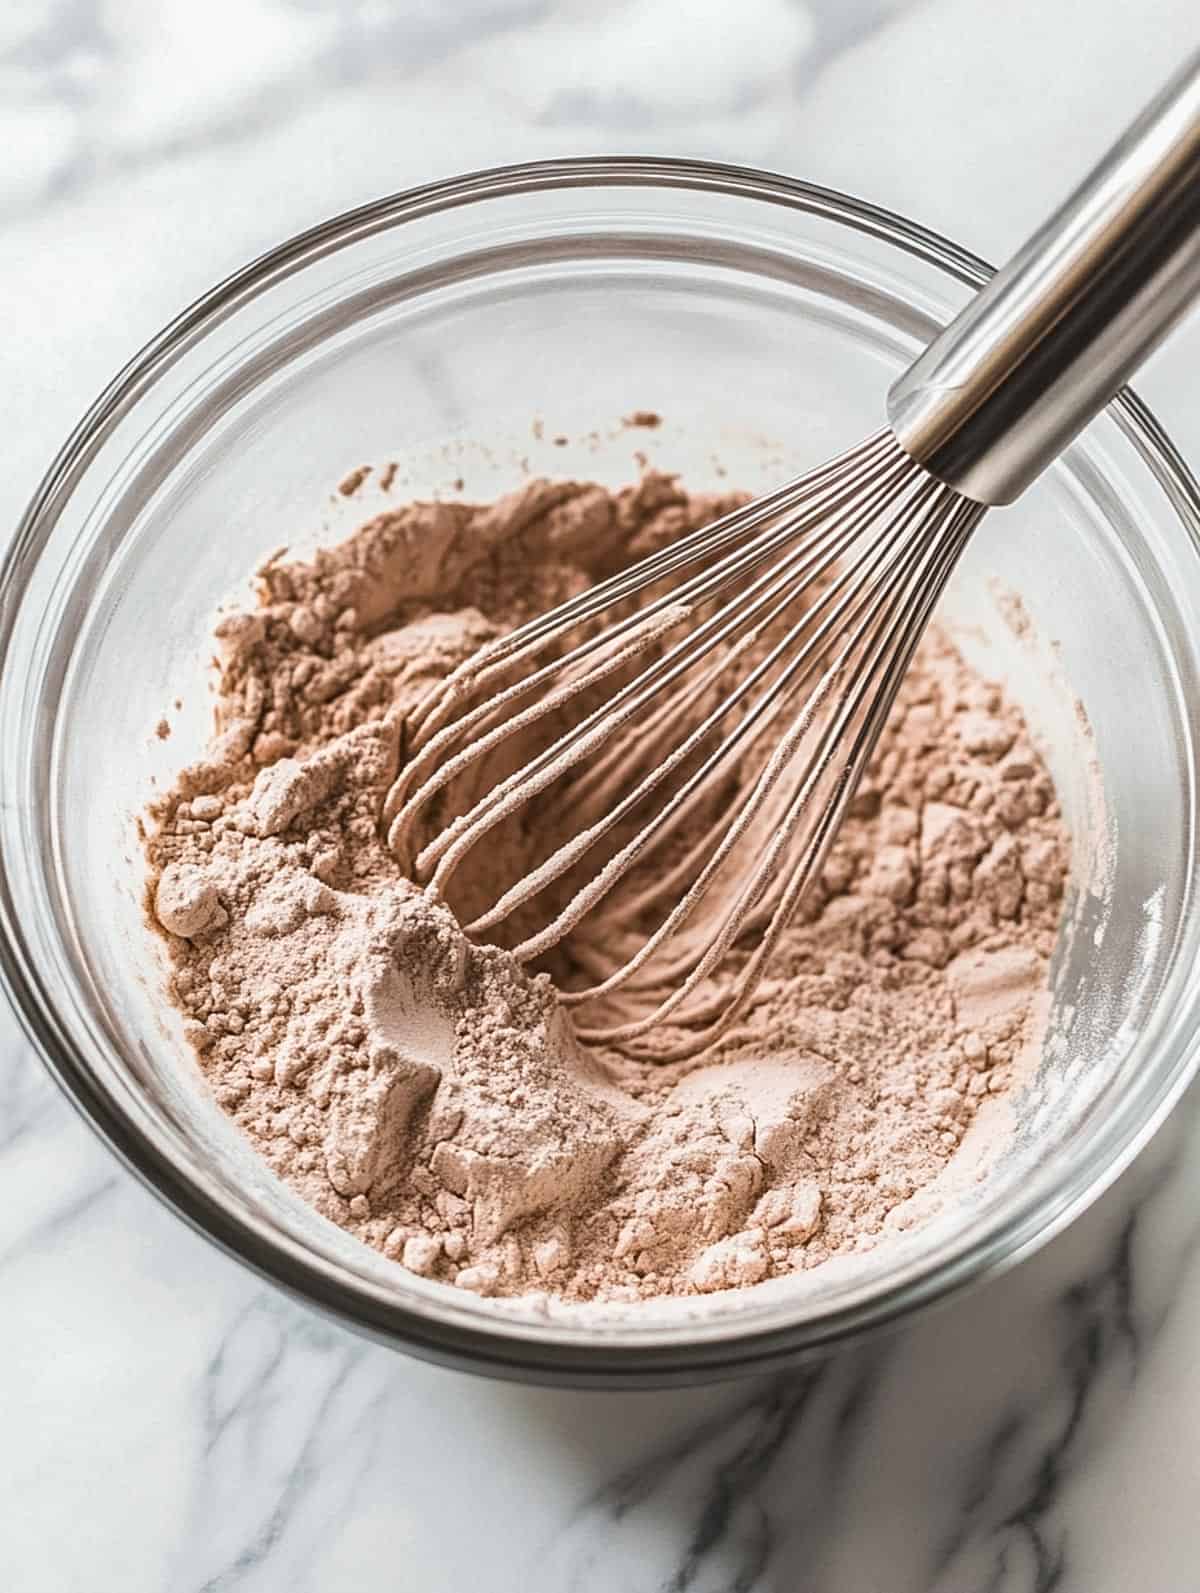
[167, 1423]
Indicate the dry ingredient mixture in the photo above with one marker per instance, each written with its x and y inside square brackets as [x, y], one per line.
[431, 1097]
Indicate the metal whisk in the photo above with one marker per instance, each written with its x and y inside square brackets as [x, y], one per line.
[704, 717]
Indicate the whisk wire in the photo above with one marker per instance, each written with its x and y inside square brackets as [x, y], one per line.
[864, 617]
[648, 684]
[640, 630]
[701, 659]
[697, 547]
[497, 657]
[927, 574]
[767, 707]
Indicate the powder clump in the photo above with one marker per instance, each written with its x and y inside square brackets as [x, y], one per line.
[431, 1097]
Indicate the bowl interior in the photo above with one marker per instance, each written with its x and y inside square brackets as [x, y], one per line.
[765, 336]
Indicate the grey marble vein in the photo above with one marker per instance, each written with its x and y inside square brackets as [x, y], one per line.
[26, 1094]
[280, 1411]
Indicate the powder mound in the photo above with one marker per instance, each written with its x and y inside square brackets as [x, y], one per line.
[432, 1098]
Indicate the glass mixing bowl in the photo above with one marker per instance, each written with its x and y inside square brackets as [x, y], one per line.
[503, 323]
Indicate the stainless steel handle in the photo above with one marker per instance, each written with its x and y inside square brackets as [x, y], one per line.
[1046, 344]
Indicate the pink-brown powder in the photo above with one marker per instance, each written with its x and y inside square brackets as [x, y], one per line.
[431, 1097]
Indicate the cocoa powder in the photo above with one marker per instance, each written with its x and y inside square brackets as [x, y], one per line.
[431, 1097]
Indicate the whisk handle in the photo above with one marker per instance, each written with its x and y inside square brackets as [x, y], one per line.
[1044, 346]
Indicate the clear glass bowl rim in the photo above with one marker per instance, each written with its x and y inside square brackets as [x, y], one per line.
[506, 1349]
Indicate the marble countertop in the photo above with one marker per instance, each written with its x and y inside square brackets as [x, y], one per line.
[166, 1421]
